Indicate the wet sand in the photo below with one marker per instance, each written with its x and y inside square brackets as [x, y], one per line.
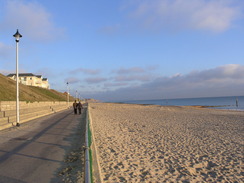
[138, 143]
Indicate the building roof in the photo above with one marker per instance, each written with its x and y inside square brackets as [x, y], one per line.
[21, 74]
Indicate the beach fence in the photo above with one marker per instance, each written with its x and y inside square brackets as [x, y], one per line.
[88, 157]
[92, 166]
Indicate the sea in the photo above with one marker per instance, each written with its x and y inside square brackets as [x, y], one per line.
[227, 103]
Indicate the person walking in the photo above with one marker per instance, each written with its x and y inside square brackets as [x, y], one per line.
[75, 107]
[79, 106]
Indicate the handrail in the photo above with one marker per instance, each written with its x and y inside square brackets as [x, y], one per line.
[87, 148]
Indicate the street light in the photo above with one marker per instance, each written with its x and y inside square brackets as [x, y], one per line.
[67, 94]
[17, 36]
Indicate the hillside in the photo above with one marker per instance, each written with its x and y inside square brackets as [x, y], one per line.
[27, 93]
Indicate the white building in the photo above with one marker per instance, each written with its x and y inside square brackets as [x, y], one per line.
[31, 80]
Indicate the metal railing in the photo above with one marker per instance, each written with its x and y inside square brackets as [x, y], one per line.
[88, 178]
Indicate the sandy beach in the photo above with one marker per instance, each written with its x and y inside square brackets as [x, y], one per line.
[138, 143]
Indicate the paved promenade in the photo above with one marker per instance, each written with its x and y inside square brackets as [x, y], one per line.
[44, 150]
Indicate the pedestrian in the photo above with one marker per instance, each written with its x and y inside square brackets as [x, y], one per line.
[79, 106]
[75, 107]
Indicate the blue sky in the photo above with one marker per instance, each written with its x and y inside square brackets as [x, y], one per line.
[128, 49]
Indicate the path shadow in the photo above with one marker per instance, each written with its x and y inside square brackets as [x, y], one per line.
[73, 166]
[27, 142]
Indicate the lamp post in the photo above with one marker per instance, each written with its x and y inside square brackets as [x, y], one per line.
[17, 36]
[67, 94]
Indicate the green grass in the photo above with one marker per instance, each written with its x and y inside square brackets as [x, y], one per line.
[28, 93]
[49, 93]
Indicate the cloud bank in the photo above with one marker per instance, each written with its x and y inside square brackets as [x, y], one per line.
[227, 80]
[216, 15]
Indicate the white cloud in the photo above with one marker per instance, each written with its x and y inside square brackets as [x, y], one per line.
[131, 70]
[85, 71]
[95, 80]
[231, 69]
[217, 15]
[133, 74]
[31, 18]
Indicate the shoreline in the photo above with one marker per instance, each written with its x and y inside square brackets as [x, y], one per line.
[143, 143]
[218, 107]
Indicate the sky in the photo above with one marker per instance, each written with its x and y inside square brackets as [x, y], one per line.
[122, 50]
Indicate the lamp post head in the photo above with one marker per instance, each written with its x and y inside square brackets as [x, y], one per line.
[17, 36]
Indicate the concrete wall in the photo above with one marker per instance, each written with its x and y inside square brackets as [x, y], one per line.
[11, 105]
[28, 111]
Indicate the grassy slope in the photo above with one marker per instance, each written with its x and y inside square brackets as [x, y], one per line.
[27, 93]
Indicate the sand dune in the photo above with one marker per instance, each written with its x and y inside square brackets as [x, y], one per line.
[137, 143]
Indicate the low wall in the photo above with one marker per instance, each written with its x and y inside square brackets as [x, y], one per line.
[11, 105]
[28, 111]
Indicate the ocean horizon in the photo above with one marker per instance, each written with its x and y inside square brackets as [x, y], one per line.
[230, 102]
